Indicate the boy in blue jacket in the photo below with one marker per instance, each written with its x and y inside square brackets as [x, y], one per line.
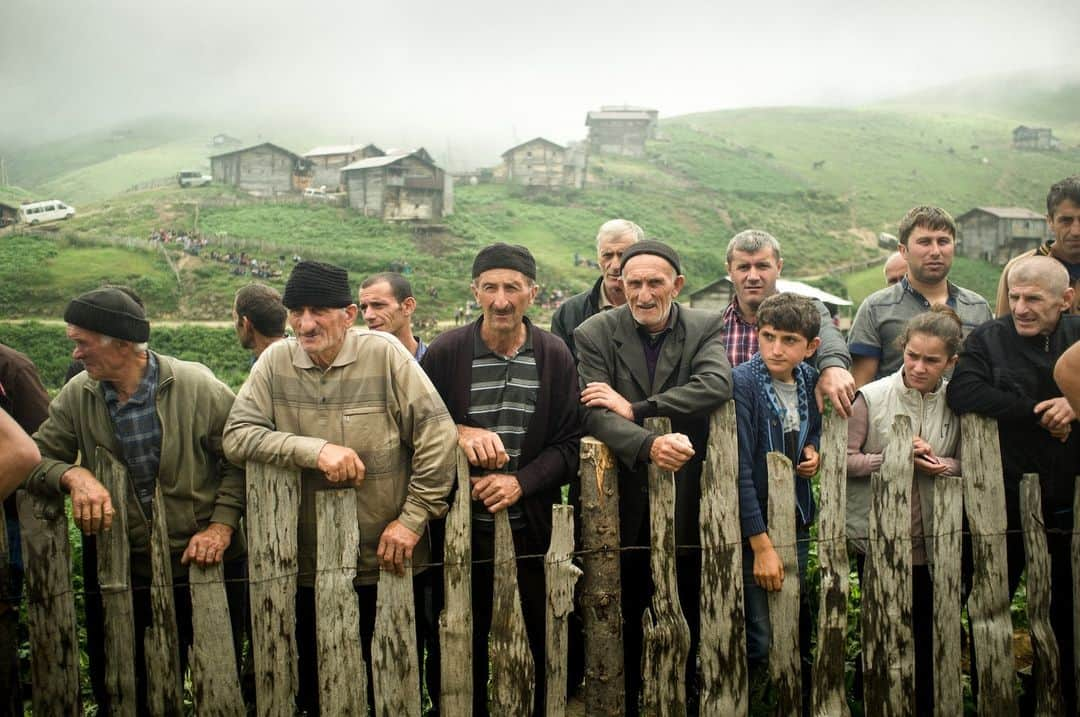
[776, 411]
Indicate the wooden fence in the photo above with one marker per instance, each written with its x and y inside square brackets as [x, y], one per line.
[273, 499]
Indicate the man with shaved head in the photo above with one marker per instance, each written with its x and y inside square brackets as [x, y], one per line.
[612, 240]
[895, 268]
[1006, 372]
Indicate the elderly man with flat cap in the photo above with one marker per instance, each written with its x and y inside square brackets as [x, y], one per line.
[512, 390]
[653, 357]
[353, 411]
[162, 418]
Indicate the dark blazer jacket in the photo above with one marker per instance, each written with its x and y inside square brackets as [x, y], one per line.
[693, 378]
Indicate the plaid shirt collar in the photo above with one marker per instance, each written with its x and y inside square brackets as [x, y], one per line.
[740, 336]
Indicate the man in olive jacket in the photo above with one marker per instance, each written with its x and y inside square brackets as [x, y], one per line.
[653, 357]
[162, 418]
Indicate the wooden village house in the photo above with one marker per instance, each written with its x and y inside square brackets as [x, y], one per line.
[541, 163]
[327, 162]
[263, 169]
[1034, 138]
[621, 130]
[9, 213]
[405, 186]
[996, 234]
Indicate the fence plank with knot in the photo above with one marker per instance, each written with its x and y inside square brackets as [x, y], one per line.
[114, 577]
[455, 621]
[164, 688]
[273, 504]
[785, 665]
[666, 635]
[889, 650]
[947, 574]
[828, 689]
[988, 603]
[342, 672]
[50, 605]
[215, 684]
[395, 669]
[560, 576]
[601, 596]
[724, 687]
[513, 672]
[1046, 670]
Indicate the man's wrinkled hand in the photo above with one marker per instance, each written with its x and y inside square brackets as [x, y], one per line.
[838, 385]
[207, 547]
[808, 466]
[1055, 414]
[601, 395]
[396, 546]
[671, 451]
[341, 464]
[497, 491]
[483, 448]
[91, 505]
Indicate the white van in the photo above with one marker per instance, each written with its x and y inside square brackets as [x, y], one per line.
[48, 211]
[193, 178]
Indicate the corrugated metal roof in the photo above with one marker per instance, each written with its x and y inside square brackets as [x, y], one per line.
[333, 149]
[1006, 212]
[294, 155]
[620, 115]
[534, 139]
[625, 108]
[373, 162]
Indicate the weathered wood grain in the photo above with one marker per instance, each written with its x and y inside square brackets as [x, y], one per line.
[666, 635]
[455, 621]
[988, 603]
[513, 674]
[724, 687]
[560, 576]
[1076, 582]
[273, 504]
[395, 669]
[215, 684]
[114, 578]
[600, 597]
[50, 605]
[784, 661]
[886, 608]
[1046, 669]
[946, 571]
[342, 672]
[827, 691]
[164, 688]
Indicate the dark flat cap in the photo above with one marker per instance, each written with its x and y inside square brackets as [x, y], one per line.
[656, 248]
[314, 283]
[505, 256]
[109, 312]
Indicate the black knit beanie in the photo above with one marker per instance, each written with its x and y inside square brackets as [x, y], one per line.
[314, 283]
[109, 312]
[504, 256]
[651, 246]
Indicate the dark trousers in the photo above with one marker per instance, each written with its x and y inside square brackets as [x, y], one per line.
[530, 575]
[307, 651]
[637, 591]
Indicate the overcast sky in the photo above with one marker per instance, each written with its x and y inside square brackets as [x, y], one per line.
[469, 72]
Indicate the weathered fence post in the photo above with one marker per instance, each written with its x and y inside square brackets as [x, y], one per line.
[342, 672]
[886, 608]
[785, 667]
[215, 684]
[273, 504]
[988, 603]
[560, 575]
[601, 596]
[946, 569]
[164, 687]
[50, 605]
[1076, 582]
[455, 621]
[827, 689]
[114, 577]
[1046, 669]
[724, 688]
[395, 668]
[513, 673]
[666, 635]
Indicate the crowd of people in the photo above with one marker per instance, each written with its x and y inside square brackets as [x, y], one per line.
[382, 413]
